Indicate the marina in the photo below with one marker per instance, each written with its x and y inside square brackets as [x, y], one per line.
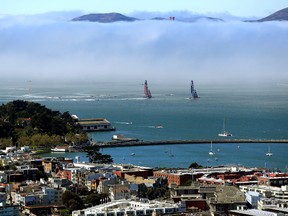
[182, 155]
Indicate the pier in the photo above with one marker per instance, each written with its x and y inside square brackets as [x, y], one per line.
[191, 142]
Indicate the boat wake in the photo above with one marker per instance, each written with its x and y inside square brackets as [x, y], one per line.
[80, 97]
[153, 126]
[124, 123]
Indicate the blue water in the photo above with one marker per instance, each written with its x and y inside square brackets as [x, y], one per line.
[251, 155]
[251, 113]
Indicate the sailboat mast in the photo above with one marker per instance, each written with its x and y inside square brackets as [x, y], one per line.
[192, 87]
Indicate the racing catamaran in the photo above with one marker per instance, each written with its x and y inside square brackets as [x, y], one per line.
[147, 93]
[193, 91]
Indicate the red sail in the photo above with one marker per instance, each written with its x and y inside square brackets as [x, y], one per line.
[147, 92]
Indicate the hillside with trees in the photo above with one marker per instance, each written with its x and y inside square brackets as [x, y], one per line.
[28, 123]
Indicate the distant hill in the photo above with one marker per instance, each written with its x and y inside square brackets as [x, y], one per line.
[281, 15]
[105, 18]
[116, 17]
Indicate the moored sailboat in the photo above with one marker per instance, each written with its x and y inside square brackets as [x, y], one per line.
[224, 132]
[211, 149]
[269, 153]
[170, 154]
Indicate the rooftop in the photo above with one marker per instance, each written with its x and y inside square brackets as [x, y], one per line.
[254, 212]
[93, 121]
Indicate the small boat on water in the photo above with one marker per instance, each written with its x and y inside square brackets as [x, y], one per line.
[224, 132]
[60, 149]
[194, 94]
[269, 153]
[211, 149]
[120, 137]
[147, 93]
[159, 126]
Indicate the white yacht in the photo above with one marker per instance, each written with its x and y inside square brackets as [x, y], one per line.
[224, 132]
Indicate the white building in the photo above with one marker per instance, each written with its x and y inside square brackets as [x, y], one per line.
[253, 212]
[119, 192]
[130, 208]
[95, 124]
[275, 192]
[268, 204]
[252, 198]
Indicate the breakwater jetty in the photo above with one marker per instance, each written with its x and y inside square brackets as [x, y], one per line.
[191, 142]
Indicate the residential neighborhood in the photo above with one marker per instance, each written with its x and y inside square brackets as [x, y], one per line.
[64, 186]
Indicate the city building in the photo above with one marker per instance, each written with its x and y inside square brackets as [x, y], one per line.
[95, 124]
[9, 210]
[173, 177]
[131, 208]
[280, 193]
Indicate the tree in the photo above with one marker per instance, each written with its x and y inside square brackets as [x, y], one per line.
[95, 156]
[195, 165]
[64, 212]
[95, 198]
[72, 201]
[25, 119]
[6, 129]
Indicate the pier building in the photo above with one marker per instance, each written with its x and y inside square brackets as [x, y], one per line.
[95, 124]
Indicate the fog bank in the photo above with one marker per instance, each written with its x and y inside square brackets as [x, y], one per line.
[160, 51]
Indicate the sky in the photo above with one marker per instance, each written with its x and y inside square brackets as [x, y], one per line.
[38, 42]
[246, 8]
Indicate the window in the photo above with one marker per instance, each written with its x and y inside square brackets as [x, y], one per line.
[139, 212]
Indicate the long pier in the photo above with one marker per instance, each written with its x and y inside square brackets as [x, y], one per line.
[175, 142]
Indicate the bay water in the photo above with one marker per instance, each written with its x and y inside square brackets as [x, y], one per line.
[255, 112]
